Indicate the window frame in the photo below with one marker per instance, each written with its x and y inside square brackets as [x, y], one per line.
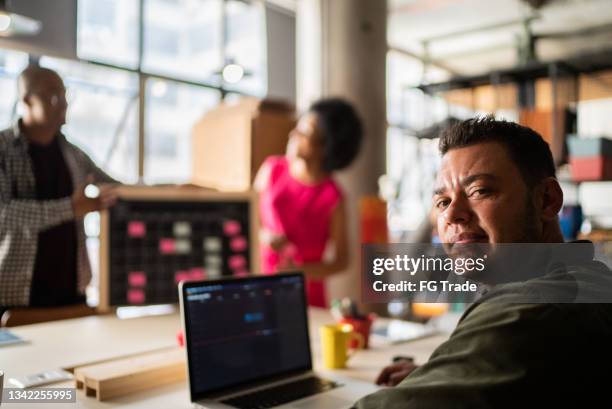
[144, 76]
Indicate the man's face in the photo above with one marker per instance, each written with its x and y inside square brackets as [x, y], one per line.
[47, 101]
[481, 197]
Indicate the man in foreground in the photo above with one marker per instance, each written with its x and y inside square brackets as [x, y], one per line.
[497, 185]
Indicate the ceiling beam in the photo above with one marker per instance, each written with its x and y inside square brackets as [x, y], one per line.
[424, 60]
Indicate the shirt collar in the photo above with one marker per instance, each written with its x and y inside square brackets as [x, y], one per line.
[20, 137]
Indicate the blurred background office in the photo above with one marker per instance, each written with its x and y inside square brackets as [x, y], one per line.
[141, 74]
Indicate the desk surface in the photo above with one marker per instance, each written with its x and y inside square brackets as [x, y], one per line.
[69, 343]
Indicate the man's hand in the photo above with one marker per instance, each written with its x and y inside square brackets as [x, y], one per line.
[395, 373]
[82, 204]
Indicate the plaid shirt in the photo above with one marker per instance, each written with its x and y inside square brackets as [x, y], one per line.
[22, 217]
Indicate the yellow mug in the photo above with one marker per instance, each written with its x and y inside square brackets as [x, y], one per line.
[335, 340]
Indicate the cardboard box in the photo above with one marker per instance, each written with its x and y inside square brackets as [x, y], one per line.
[231, 142]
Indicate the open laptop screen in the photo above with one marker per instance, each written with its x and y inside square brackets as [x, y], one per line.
[239, 331]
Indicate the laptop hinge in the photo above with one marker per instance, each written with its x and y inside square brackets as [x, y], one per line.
[265, 385]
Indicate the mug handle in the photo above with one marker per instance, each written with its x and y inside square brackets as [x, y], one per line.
[360, 344]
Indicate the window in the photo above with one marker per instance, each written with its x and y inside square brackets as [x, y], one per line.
[171, 111]
[109, 135]
[182, 39]
[185, 44]
[407, 106]
[402, 72]
[11, 64]
[411, 162]
[107, 31]
[245, 44]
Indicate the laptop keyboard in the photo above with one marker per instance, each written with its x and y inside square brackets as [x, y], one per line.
[278, 395]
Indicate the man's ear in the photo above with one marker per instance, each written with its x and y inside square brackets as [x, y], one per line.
[26, 99]
[552, 198]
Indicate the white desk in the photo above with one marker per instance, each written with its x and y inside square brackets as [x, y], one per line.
[69, 343]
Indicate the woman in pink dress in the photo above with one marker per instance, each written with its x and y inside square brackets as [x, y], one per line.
[302, 211]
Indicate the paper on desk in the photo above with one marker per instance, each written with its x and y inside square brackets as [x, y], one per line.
[8, 338]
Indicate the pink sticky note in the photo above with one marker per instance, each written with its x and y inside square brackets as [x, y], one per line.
[237, 262]
[238, 243]
[241, 273]
[181, 275]
[166, 246]
[136, 296]
[136, 229]
[231, 228]
[137, 279]
[197, 273]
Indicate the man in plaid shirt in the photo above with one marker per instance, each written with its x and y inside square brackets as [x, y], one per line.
[43, 258]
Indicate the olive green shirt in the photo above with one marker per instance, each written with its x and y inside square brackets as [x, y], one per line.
[511, 354]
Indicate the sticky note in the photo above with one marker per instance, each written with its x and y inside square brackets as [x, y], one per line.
[237, 262]
[212, 244]
[231, 227]
[166, 246]
[182, 246]
[213, 262]
[197, 273]
[136, 229]
[181, 275]
[238, 244]
[182, 229]
[214, 272]
[135, 296]
[137, 279]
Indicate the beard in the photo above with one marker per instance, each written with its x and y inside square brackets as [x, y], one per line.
[528, 222]
[509, 259]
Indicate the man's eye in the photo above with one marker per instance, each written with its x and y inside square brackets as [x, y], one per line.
[441, 204]
[480, 192]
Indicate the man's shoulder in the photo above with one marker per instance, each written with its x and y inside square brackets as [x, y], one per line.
[588, 281]
[79, 153]
[502, 310]
[7, 136]
[562, 298]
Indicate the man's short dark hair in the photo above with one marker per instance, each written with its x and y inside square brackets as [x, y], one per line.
[341, 132]
[527, 149]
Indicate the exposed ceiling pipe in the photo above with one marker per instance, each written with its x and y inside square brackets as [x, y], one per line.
[423, 59]
[479, 29]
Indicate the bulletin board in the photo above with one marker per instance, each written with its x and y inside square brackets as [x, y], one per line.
[155, 237]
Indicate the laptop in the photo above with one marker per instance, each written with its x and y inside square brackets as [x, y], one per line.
[248, 347]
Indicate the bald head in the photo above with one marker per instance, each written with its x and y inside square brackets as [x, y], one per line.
[43, 95]
[34, 79]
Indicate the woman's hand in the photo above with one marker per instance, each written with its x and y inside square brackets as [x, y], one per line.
[275, 240]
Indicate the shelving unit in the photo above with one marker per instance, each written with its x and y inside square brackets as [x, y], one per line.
[542, 95]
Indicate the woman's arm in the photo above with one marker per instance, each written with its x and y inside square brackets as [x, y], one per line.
[262, 178]
[260, 183]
